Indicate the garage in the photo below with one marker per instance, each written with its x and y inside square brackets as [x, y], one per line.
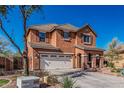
[55, 61]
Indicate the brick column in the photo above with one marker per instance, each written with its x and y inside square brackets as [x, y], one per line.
[74, 60]
[84, 61]
[101, 61]
[94, 61]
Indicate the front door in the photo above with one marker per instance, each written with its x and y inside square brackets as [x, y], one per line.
[97, 62]
[89, 60]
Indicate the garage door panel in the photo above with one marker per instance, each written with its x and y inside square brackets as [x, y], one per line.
[55, 61]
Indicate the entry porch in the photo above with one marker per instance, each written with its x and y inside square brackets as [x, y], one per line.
[89, 58]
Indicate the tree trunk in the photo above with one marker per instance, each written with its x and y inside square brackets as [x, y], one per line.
[26, 61]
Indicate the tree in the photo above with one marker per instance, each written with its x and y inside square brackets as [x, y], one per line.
[4, 44]
[113, 52]
[25, 12]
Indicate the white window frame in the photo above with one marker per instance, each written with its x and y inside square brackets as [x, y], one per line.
[89, 39]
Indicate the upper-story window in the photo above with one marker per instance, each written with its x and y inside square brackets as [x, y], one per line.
[66, 35]
[87, 39]
[42, 36]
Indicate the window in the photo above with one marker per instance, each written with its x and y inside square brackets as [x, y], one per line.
[42, 36]
[61, 56]
[68, 56]
[66, 36]
[87, 39]
[44, 55]
[53, 55]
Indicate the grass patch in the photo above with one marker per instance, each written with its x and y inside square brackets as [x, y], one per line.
[3, 82]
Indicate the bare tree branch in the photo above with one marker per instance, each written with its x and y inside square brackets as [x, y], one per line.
[12, 41]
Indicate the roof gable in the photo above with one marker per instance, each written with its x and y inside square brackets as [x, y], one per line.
[52, 27]
[64, 27]
[88, 26]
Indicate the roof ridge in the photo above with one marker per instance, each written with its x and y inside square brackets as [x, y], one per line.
[43, 24]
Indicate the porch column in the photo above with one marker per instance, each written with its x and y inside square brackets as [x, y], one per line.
[94, 61]
[84, 61]
[101, 61]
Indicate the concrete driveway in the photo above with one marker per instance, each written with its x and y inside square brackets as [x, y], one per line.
[90, 79]
[98, 80]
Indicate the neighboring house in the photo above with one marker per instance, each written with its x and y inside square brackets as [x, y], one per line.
[54, 46]
[9, 63]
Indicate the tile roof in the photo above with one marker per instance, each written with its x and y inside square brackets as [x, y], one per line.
[64, 27]
[67, 27]
[51, 27]
[87, 48]
[44, 28]
[43, 45]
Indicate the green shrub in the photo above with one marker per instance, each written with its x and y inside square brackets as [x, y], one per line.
[113, 70]
[122, 72]
[118, 70]
[111, 65]
[68, 83]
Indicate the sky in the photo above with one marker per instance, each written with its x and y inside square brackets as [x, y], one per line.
[106, 21]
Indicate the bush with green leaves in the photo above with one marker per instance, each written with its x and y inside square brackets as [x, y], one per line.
[122, 72]
[118, 70]
[68, 82]
[111, 65]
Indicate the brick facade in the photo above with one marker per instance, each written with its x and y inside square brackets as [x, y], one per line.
[56, 39]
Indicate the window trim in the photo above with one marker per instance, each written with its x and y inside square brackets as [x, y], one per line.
[66, 39]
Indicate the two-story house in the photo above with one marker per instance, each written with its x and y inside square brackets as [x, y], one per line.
[54, 46]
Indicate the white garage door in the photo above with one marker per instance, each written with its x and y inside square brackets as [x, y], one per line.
[55, 61]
